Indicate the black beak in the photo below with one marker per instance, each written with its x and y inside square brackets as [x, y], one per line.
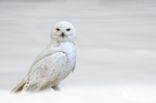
[63, 35]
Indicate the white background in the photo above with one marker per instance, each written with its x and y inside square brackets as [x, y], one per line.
[116, 58]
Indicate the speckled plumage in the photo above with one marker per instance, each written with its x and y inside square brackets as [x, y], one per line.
[54, 63]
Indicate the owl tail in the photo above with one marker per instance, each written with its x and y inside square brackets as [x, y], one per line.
[19, 87]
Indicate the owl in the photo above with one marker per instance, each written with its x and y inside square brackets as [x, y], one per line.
[54, 63]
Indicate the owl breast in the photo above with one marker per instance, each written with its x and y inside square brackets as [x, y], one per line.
[70, 52]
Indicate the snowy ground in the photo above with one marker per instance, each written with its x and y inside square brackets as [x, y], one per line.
[116, 47]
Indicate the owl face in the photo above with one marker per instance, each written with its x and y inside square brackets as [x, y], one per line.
[63, 31]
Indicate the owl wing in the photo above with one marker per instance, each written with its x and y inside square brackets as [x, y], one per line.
[53, 56]
[43, 54]
[46, 71]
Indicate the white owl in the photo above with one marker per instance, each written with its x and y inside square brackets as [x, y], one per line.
[54, 63]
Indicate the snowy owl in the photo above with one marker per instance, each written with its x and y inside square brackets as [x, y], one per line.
[54, 63]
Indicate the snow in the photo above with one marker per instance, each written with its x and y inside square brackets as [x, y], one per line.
[88, 94]
[116, 48]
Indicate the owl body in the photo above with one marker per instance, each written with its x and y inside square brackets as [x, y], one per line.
[49, 71]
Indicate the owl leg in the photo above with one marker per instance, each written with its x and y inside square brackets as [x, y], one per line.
[56, 87]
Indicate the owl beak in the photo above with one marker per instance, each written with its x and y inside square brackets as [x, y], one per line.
[62, 35]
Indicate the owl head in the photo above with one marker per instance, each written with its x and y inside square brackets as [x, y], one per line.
[63, 32]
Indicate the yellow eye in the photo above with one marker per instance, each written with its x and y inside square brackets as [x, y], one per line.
[68, 29]
[57, 29]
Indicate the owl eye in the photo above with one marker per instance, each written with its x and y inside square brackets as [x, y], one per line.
[57, 29]
[68, 29]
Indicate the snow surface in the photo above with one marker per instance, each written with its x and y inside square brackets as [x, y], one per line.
[116, 39]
